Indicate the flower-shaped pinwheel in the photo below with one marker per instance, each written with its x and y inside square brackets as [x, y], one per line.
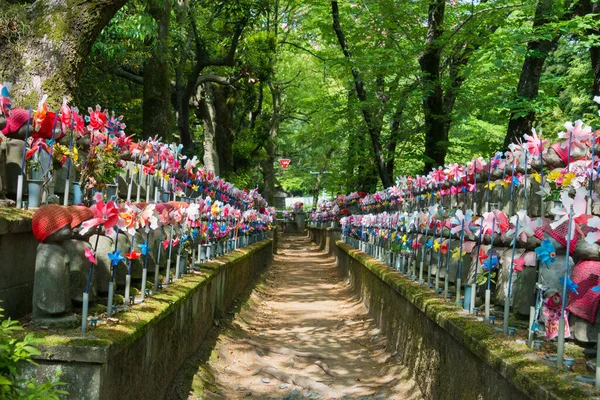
[134, 255]
[106, 214]
[115, 258]
[90, 255]
[527, 226]
[546, 253]
[145, 248]
[490, 263]
[572, 286]
[456, 254]
[579, 205]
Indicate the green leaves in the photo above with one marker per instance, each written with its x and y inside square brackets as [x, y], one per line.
[14, 351]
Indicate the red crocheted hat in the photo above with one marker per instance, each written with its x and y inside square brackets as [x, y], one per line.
[584, 303]
[79, 214]
[48, 219]
[18, 118]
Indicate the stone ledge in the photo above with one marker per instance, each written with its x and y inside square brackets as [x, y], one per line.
[512, 361]
[15, 221]
[104, 342]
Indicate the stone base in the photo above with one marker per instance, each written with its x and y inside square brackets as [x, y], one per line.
[64, 322]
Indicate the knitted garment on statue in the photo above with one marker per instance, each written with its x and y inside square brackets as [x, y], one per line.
[585, 304]
[560, 233]
[48, 219]
[79, 214]
[18, 118]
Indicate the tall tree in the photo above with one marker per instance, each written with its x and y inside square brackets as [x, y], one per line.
[369, 118]
[521, 120]
[48, 57]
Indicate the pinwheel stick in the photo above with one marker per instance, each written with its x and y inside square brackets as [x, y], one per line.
[86, 298]
[168, 273]
[460, 261]
[20, 178]
[421, 281]
[488, 293]
[439, 260]
[447, 275]
[560, 352]
[145, 270]
[510, 275]
[128, 276]
[111, 284]
[157, 268]
[68, 179]
[589, 200]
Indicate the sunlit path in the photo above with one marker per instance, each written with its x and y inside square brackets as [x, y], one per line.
[301, 334]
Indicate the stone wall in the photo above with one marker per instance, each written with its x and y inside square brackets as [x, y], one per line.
[450, 355]
[17, 262]
[138, 357]
[325, 238]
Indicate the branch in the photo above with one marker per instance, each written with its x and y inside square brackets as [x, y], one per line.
[221, 80]
[128, 75]
[305, 49]
[471, 16]
[229, 59]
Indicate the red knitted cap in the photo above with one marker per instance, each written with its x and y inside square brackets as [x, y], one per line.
[48, 219]
[18, 118]
[79, 214]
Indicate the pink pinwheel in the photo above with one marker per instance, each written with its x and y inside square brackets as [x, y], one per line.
[89, 254]
[477, 165]
[148, 218]
[532, 143]
[580, 134]
[106, 215]
[438, 175]
[97, 120]
[65, 115]
[579, 205]
[527, 226]
[487, 222]
[457, 223]
[518, 264]
[593, 236]
[454, 171]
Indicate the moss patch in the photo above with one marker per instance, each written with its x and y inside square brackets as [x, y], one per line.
[134, 323]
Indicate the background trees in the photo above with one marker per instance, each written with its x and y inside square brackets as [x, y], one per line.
[354, 93]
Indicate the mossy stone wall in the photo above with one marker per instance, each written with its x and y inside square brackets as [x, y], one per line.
[138, 358]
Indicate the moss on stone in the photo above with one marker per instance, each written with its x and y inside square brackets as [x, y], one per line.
[517, 363]
[133, 324]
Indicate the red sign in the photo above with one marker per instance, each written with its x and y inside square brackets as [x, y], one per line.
[285, 162]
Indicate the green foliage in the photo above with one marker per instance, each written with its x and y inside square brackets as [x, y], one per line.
[15, 351]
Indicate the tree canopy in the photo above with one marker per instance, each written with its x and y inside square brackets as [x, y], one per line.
[354, 93]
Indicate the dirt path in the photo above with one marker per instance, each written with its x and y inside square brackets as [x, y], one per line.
[299, 334]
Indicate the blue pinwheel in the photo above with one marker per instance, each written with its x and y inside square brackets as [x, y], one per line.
[194, 233]
[184, 238]
[145, 248]
[546, 253]
[596, 289]
[572, 286]
[115, 258]
[489, 263]
[429, 244]
[515, 181]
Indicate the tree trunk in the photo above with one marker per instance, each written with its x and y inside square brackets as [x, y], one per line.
[225, 101]
[436, 139]
[529, 82]
[49, 57]
[372, 128]
[157, 86]
[209, 116]
[271, 148]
